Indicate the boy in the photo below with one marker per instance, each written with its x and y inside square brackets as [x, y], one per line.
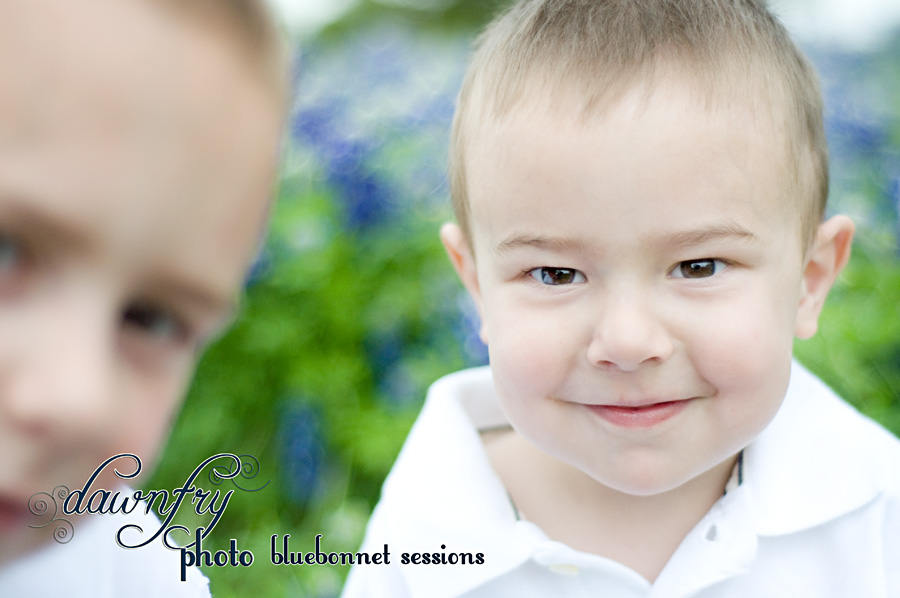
[639, 190]
[138, 143]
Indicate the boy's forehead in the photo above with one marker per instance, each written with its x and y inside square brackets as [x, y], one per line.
[128, 84]
[119, 107]
[105, 57]
[645, 121]
[726, 97]
[490, 132]
[108, 68]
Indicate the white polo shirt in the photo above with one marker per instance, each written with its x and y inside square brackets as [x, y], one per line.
[92, 565]
[817, 514]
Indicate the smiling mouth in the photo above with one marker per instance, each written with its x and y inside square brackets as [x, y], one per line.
[13, 513]
[644, 416]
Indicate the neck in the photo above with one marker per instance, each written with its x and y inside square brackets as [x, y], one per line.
[641, 532]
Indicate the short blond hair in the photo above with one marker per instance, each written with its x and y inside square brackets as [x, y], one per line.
[600, 49]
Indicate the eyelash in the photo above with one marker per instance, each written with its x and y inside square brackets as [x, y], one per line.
[8, 253]
[542, 274]
[153, 325]
[13, 260]
[680, 268]
[145, 318]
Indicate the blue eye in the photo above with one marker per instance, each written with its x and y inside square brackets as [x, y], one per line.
[154, 322]
[557, 276]
[704, 268]
[10, 254]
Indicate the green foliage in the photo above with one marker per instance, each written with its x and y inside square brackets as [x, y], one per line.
[304, 340]
[857, 348]
[354, 310]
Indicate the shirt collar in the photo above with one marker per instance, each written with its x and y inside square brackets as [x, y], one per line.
[796, 475]
[811, 465]
[428, 511]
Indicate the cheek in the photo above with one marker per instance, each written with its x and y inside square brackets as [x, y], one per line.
[750, 329]
[532, 356]
[747, 358]
[528, 347]
[142, 425]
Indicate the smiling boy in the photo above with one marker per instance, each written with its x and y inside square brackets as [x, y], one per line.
[640, 190]
[138, 144]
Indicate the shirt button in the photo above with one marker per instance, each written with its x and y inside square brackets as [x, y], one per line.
[712, 533]
[570, 570]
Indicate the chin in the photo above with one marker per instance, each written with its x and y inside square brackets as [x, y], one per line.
[641, 481]
[649, 486]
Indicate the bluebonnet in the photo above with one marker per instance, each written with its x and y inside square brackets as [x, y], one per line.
[364, 109]
[860, 115]
[302, 452]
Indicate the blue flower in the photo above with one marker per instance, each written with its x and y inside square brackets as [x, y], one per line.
[301, 451]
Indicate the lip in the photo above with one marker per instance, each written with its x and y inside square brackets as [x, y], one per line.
[640, 416]
[14, 513]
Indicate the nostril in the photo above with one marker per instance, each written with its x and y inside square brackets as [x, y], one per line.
[46, 397]
[623, 347]
[22, 412]
[59, 363]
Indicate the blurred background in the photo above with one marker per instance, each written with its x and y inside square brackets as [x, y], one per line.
[352, 309]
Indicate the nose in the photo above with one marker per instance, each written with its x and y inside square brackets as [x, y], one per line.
[628, 334]
[57, 366]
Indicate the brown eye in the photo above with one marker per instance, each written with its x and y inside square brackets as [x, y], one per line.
[557, 276]
[698, 268]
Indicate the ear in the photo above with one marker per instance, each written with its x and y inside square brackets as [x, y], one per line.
[826, 258]
[461, 257]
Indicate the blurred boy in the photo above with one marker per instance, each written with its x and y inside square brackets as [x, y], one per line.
[639, 190]
[137, 151]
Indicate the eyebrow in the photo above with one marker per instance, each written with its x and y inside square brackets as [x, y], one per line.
[707, 234]
[200, 298]
[717, 232]
[523, 240]
[61, 233]
[35, 219]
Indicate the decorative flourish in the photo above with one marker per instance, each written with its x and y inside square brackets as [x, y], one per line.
[245, 466]
[220, 473]
[39, 506]
[249, 470]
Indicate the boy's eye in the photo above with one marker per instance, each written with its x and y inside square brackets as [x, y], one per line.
[14, 264]
[698, 268]
[557, 276]
[10, 254]
[155, 322]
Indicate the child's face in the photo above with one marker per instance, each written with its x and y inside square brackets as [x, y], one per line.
[640, 278]
[136, 155]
